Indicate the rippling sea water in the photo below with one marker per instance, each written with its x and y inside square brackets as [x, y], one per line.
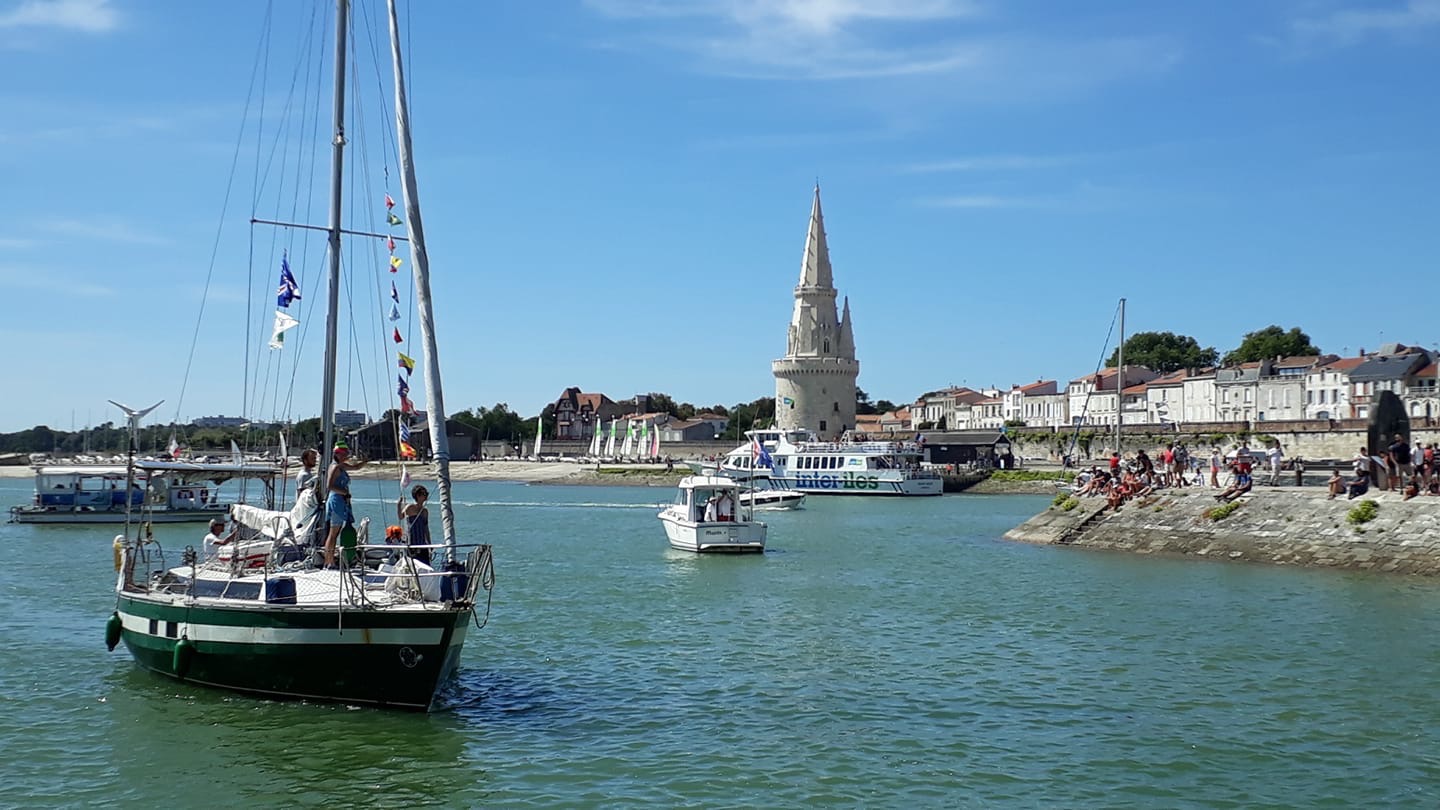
[885, 653]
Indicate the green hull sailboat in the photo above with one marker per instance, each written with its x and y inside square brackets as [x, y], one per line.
[264, 617]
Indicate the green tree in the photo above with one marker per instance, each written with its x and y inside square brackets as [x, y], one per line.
[863, 405]
[743, 417]
[1163, 352]
[1272, 341]
[884, 406]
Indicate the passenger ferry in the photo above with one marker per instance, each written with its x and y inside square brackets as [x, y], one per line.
[855, 465]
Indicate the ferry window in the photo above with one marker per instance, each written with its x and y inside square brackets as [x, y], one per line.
[835, 463]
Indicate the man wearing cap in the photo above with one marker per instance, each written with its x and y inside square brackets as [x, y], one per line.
[216, 538]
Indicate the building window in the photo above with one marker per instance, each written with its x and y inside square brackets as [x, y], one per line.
[822, 425]
[827, 345]
[837, 408]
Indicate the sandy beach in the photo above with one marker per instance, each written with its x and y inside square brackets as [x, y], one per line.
[530, 472]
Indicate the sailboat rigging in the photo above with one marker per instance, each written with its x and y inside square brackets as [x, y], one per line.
[382, 627]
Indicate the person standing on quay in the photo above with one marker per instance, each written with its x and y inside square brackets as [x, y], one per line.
[1404, 467]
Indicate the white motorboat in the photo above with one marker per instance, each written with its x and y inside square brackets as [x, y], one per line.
[763, 496]
[708, 517]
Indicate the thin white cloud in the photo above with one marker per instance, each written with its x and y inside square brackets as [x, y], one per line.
[994, 163]
[101, 230]
[1350, 26]
[960, 46]
[90, 16]
[802, 39]
[50, 280]
[17, 243]
[982, 201]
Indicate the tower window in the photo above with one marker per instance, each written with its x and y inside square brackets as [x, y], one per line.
[822, 425]
[837, 407]
[827, 345]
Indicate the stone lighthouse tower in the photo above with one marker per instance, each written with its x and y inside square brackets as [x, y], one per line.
[815, 380]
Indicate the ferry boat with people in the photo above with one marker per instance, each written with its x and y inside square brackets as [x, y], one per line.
[159, 492]
[855, 465]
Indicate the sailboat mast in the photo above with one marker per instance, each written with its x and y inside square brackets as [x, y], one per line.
[332, 311]
[434, 397]
[1120, 381]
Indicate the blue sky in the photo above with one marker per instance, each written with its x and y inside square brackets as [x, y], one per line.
[616, 191]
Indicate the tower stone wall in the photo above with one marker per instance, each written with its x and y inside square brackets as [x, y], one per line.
[815, 380]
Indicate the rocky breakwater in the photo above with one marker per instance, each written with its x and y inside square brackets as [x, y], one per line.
[1282, 526]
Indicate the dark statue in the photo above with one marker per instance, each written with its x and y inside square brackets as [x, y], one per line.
[1387, 419]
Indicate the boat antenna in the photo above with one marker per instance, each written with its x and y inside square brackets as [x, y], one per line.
[332, 311]
[439, 441]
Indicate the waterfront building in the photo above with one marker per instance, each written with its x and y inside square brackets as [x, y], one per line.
[1038, 404]
[1092, 399]
[221, 421]
[350, 419]
[1327, 389]
[1423, 394]
[1393, 368]
[1165, 398]
[815, 380]
[576, 413]
[1197, 396]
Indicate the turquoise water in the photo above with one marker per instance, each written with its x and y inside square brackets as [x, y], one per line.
[885, 653]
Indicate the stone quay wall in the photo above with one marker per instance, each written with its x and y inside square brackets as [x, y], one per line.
[1278, 526]
[1309, 444]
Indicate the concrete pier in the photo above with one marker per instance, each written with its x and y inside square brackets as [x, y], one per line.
[1281, 526]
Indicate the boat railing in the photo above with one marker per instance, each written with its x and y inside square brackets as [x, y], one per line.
[870, 448]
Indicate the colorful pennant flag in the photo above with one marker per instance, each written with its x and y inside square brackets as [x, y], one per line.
[406, 450]
[283, 324]
[396, 337]
[404, 477]
[394, 312]
[406, 406]
[289, 290]
[389, 201]
[392, 219]
[394, 293]
[403, 390]
[391, 243]
[395, 262]
[407, 362]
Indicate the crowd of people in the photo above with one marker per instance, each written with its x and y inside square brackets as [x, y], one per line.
[1409, 468]
[1174, 465]
[1400, 467]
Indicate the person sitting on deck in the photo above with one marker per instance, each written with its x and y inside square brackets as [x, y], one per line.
[712, 508]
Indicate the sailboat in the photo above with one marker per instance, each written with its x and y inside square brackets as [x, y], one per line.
[272, 622]
[539, 437]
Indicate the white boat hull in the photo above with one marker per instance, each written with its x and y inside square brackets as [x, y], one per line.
[46, 516]
[720, 537]
[773, 499]
[860, 483]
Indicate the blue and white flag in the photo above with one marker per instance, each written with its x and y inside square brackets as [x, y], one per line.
[289, 290]
[403, 390]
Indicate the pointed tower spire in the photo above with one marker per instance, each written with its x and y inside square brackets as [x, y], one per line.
[815, 267]
[847, 335]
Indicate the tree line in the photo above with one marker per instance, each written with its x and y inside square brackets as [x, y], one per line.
[1165, 352]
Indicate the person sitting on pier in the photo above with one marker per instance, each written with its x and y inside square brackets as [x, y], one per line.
[1336, 484]
[1243, 481]
[1360, 484]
